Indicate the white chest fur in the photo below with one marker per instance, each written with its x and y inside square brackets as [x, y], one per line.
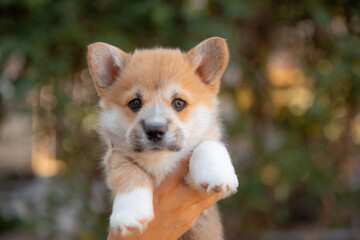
[159, 165]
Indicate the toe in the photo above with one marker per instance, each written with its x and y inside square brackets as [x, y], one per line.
[217, 188]
[142, 221]
[131, 229]
[205, 185]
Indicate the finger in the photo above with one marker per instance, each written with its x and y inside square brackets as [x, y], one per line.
[205, 203]
[181, 171]
[111, 235]
[192, 197]
[209, 201]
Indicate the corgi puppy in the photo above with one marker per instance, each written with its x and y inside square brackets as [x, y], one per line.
[158, 106]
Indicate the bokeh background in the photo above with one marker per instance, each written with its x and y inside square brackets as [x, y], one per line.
[290, 104]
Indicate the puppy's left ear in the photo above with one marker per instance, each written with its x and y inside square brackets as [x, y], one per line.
[210, 58]
[106, 63]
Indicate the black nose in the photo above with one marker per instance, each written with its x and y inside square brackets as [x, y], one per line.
[155, 132]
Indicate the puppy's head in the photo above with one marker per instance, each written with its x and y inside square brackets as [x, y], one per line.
[157, 99]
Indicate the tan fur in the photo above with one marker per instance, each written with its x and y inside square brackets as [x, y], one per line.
[117, 166]
[158, 74]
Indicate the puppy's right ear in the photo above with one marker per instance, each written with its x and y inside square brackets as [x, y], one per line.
[105, 64]
[209, 59]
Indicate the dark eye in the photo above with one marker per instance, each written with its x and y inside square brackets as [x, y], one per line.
[135, 104]
[178, 104]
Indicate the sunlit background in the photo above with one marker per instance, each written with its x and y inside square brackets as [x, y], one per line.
[290, 103]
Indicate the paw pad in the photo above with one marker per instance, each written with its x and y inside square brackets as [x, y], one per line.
[217, 188]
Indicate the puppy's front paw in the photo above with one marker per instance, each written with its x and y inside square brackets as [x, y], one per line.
[211, 169]
[132, 211]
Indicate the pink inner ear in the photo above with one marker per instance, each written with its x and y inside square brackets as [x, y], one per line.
[205, 70]
[111, 72]
[115, 72]
[201, 72]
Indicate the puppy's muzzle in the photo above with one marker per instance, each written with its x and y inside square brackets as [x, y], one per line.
[155, 132]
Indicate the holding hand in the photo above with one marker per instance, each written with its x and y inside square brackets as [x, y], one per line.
[176, 206]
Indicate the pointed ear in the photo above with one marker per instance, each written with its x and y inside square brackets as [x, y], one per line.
[210, 58]
[105, 64]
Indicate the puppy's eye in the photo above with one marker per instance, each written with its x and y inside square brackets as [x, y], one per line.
[135, 104]
[178, 104]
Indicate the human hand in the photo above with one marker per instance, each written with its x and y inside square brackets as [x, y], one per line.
[176, 207]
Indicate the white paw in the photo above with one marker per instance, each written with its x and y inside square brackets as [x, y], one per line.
[211, 169]
[132, 211]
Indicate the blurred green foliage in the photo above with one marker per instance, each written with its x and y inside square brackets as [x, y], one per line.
[292, 87]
